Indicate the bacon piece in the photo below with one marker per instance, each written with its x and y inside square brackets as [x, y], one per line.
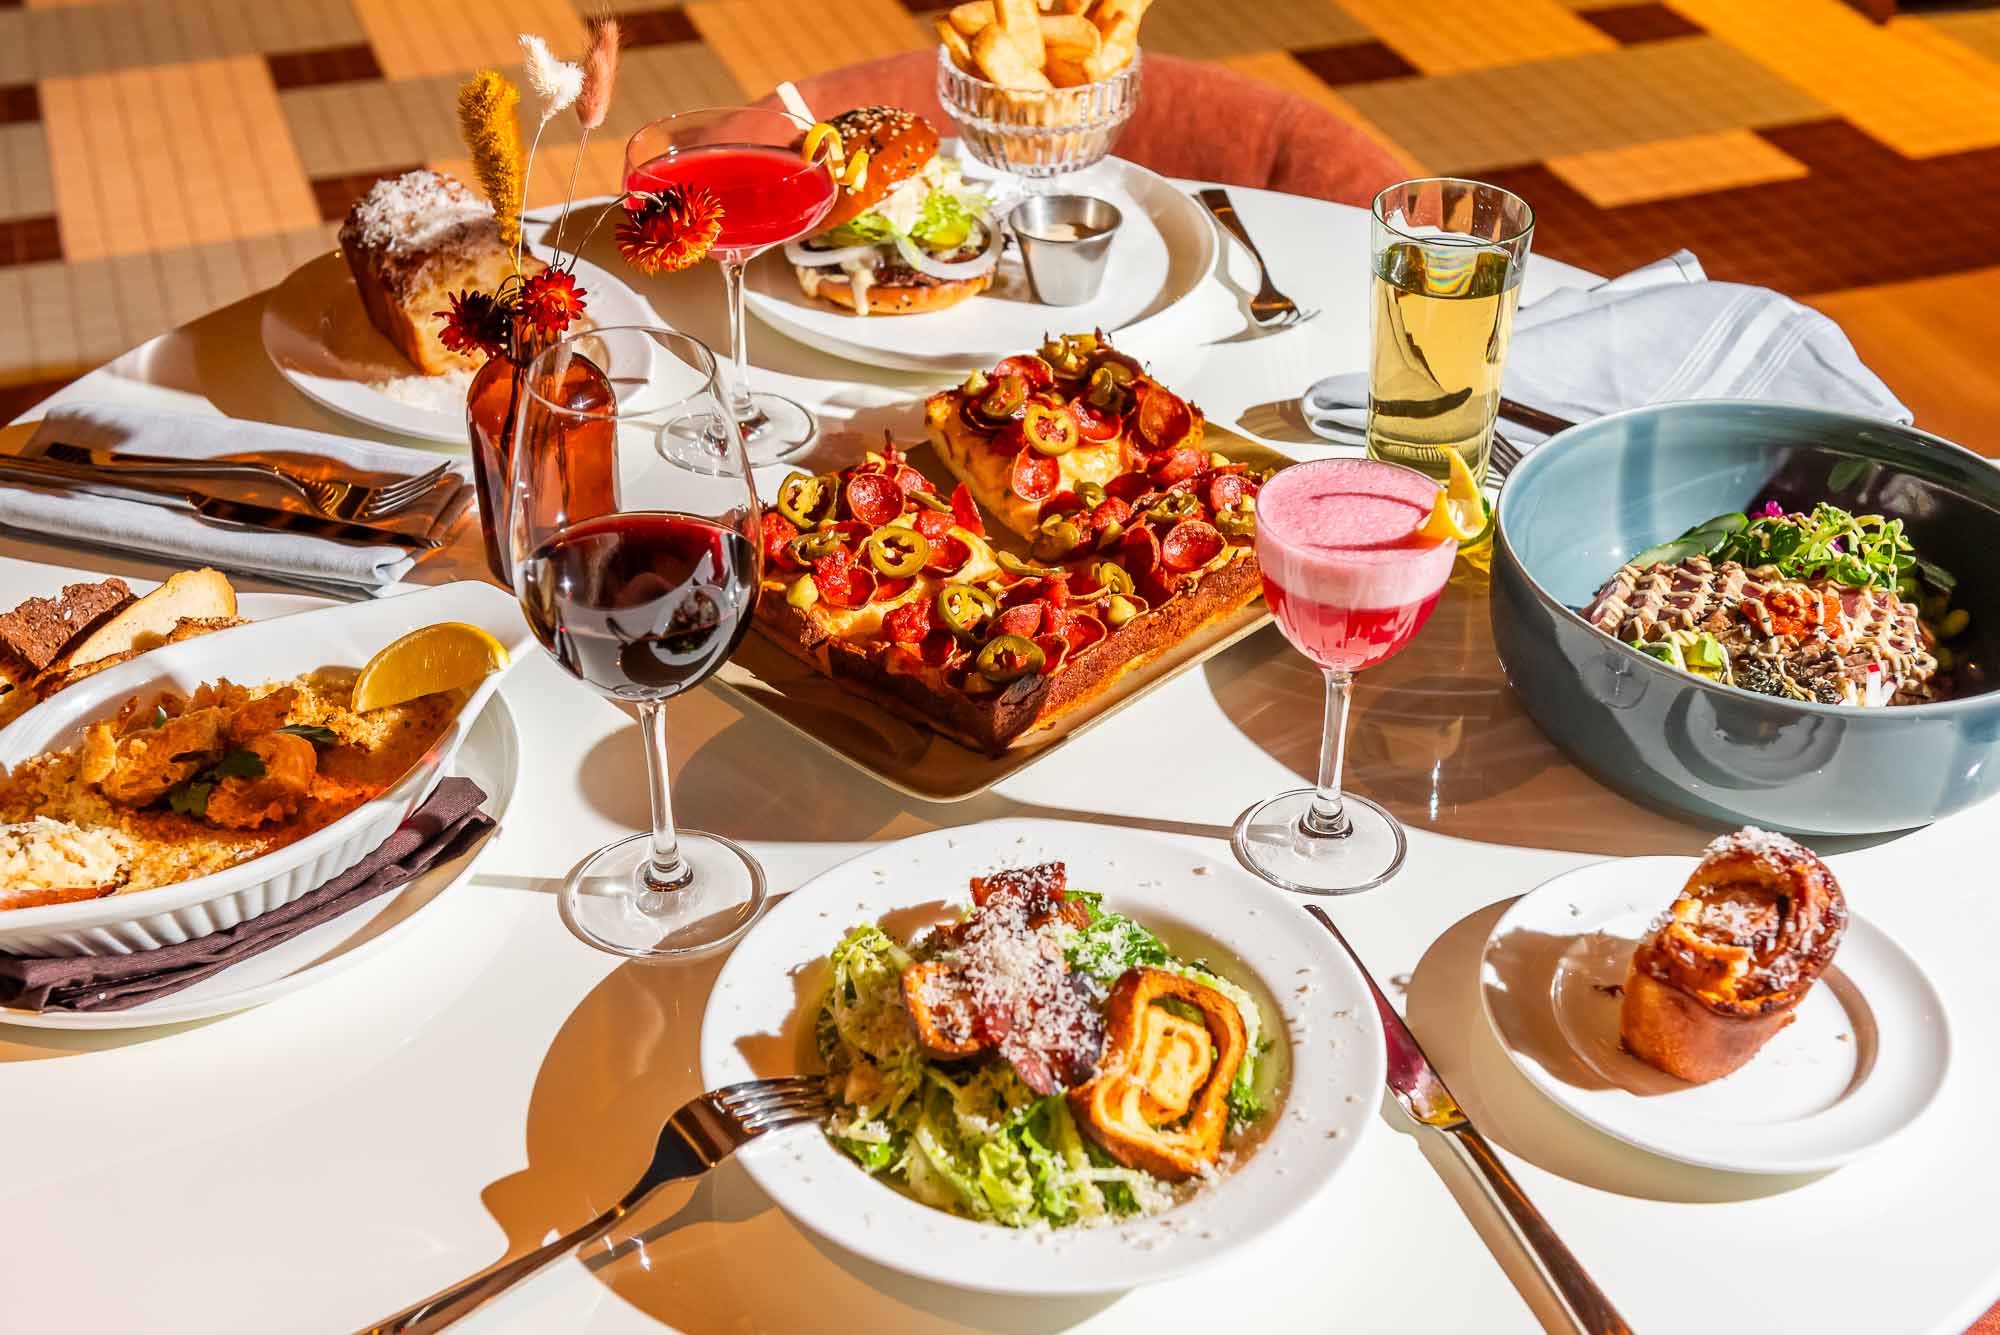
[909, 623]
[777, 531]
[966, 511]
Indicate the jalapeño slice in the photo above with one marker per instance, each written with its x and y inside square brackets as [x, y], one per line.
[898, 552]
[1049, 428]
[1174, 507]
[1239, 520]
[962, 607]
[1007, 396]
[1014, 565]
[1008, 658]
[810, 547]
[1112, 577]
[1058, 536]
[807, 500]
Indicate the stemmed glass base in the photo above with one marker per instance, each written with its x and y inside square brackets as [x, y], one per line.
[776, 428]
[609, 902]
[1283, 840]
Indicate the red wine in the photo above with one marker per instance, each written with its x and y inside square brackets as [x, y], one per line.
[641, 606]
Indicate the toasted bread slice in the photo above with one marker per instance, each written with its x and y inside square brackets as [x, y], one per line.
[190, 595]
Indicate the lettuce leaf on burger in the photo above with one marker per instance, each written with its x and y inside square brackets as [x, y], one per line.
[915, 237]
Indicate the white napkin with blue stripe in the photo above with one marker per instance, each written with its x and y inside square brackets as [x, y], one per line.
[1659, 333]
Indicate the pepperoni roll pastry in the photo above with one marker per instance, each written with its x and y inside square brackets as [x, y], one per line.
[1726, 968]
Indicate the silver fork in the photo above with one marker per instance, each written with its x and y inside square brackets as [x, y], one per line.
[707, 1130]
[1270, 308]
[353, 501]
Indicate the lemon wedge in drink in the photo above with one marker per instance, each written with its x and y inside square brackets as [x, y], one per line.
[1460, 513]
[445, 657]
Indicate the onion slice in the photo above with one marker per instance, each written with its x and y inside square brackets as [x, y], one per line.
[823, 259]
[914, 256]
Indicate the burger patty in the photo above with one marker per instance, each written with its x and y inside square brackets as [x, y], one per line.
[896, 273]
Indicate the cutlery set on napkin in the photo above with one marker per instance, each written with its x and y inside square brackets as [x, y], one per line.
[303, 507]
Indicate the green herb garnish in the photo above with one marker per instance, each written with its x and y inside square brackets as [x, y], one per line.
[312, 732]
[1857, 551]
[190, 796]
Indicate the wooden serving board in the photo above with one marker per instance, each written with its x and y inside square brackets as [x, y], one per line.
[912, 759]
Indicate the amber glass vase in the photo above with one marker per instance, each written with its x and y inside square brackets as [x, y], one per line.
[586, 464]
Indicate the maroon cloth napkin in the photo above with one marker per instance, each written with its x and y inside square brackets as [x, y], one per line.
[446, 825]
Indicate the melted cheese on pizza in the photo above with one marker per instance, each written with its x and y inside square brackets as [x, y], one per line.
[856, 624]
[986, 470]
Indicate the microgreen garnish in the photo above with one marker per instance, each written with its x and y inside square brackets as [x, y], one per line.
[1858, 551]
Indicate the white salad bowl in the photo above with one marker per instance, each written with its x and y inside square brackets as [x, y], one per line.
[347, 635]
[1326, 1046]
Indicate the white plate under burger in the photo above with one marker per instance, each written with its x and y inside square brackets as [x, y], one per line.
[342, 635]
[1865, 1056]
[1162, 252]
[1318, 1012]
[320, 339]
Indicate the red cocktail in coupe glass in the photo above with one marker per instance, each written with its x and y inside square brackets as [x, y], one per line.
[745, 157]
[1350, 581]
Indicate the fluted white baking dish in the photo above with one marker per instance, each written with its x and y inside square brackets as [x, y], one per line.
[346, 635]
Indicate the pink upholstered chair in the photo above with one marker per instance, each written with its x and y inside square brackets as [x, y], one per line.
[1194, 119]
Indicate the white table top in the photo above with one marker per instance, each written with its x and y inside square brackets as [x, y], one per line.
[347, 1150]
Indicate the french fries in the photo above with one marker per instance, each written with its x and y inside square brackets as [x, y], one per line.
[1034, 45]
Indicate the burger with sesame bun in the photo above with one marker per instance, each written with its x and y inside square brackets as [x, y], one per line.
[914, 237]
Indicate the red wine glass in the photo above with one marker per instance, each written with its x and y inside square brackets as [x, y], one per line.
[770, 195]
[640, 595]
[1350, 582]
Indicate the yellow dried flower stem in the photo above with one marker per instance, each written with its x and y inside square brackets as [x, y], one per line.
[487, 122]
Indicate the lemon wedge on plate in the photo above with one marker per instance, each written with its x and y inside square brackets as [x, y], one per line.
[1461, 513]
[443, 657]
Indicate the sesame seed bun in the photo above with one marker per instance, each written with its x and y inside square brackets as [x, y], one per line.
[899, 143]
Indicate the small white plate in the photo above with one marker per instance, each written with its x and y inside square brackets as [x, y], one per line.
[1319, 1017]
[1163, 250]
[1866, 1055]
[319, 338]
[491, 757]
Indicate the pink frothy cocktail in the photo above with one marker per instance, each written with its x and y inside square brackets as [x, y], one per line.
[1344, 572]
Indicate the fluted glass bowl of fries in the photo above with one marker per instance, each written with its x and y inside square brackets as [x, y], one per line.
[1038, 94]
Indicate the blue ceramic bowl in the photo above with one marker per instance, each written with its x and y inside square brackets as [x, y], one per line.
[1584, 501]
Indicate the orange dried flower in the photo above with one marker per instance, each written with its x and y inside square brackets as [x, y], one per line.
[669, 229]
[551, 300]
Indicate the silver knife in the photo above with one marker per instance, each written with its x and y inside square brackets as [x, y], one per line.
[1422, 1094]
[248, 514]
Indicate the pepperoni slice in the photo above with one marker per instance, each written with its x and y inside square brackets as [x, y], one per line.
[948, 555]
[1024, 621]
[1227, 489]
[873, 498]
[776, 532]
[1054, 649]
[1139, 551]
[933, 524]
[843, 584]
[1128, 486]
[1110, 511]
[1191, 544]
[888, 587]
[909, 623]
[852, 532]
[1082, 631]
[938, 648]
[1034, 477]
[1095, 427]
[1064, 502]
[1038, 373]
[1176, 465]
[909, 479]
[966, 512]
[1164, 420]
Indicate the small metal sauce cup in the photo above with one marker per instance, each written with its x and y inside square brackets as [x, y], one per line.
[1065, 242]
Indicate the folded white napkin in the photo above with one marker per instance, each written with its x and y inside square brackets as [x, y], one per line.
[180, 535]
[1660, 333]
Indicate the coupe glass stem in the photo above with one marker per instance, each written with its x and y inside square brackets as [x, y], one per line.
[1325, 819]
[667, 871]
[740, 401]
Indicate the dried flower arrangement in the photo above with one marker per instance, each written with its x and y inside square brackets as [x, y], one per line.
[657, 231]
